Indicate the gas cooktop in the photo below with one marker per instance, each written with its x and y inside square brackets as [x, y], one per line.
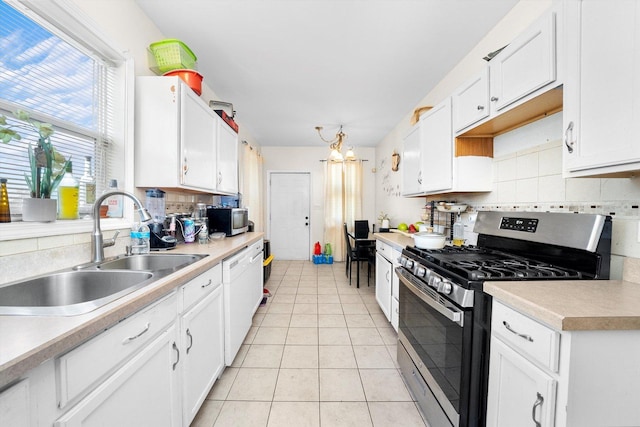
[475, 263]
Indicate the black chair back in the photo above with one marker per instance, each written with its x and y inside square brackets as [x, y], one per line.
[361, 229]
[348, 241]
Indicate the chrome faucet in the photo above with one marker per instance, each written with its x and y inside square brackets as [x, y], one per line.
[97, 241]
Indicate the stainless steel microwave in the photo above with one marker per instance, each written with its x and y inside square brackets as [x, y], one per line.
[230, 221]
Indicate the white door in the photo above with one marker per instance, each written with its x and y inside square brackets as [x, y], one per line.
[289, 215]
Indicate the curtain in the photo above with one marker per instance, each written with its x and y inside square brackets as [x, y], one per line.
[251, 185]
[343, 202]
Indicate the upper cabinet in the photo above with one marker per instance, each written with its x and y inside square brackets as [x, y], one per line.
[527, 64]
[436, 163]
[519, 84]
[227, 158]
[471, 101]
[180, 142]
[601, 93]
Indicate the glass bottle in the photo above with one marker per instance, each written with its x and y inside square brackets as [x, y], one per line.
[68, 195]
[458, 232]
[87, 188]
[113, 203]
[5, 211]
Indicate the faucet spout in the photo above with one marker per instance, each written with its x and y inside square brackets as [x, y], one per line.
[97, 240]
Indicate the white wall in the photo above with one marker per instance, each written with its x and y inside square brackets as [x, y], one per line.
[308, 159]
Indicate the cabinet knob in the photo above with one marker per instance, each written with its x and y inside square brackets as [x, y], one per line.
[494, 98]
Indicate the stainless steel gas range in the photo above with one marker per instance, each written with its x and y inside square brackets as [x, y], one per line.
[445, 317]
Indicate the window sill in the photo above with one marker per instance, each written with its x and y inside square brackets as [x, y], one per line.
[22, 230]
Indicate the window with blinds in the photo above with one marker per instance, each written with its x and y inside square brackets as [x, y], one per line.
[58, 82]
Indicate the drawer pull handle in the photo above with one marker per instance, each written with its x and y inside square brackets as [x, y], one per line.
[190, 340]
[175, 347]
[135, 337]
[207, 284]
[508, 326]
[537, 403]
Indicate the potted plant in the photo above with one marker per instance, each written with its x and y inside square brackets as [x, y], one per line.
[47, 167]
[384, 221]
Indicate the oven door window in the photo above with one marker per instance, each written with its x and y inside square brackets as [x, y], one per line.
[438, 341]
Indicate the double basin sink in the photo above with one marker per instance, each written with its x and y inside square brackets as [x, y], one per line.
[88, 287]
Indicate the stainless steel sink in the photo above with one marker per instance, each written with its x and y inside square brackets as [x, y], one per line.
[89, 286]
[69, 292]
[150, 262]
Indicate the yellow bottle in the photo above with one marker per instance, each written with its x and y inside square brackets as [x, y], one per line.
[68, 195]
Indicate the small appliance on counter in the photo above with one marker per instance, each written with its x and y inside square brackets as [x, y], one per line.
[155, 204]
[230, 221]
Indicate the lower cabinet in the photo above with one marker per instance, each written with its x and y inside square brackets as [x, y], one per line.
[202, 349]
[142, 392]
[383, 285]
[541, 377]
[520, 393]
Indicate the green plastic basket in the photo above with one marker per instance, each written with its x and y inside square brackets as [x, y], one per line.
[171, 54]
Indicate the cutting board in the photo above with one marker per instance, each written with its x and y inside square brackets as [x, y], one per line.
[404, 233]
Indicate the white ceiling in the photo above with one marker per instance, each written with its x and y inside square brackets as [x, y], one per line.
[290, 65]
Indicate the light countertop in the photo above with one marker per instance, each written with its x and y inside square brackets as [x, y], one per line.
[396, 240]
[27, 341]
[573, 305]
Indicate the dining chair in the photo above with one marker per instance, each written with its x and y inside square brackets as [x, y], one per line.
[357, 253]
[361, 228]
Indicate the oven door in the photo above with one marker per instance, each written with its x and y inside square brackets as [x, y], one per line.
[436, 335]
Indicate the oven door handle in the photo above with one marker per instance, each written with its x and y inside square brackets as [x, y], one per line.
[453, 315]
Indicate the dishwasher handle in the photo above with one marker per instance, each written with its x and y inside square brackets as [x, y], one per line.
[260, 256]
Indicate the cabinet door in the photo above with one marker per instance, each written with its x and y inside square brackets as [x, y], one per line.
[142, 393]
[197, 139]
[383, 285]
[525, 65]
[203, 351]
[227, 149]
[14, 405]
[437, 148]
[520, 394]
[411, 163]
[471, 101]
[601, 113]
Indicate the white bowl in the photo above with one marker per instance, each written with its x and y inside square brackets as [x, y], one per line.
[426, 240]
[452, 207]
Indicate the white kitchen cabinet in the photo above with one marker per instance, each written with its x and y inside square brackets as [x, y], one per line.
[471, 101]
[519, 393]
[383, 284]
[14, 405]
[602, 90]
[412, 162]
[526, 65]
[202, 340]
[142, 392]
[435, 162]
[583, 378]
[175, 130]
[227, 158]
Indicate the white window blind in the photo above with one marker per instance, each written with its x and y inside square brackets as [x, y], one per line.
[57, 81]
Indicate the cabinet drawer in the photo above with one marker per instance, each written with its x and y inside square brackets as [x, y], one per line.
[201, 286]
[526, 335]
[383, 249]
[83, 366]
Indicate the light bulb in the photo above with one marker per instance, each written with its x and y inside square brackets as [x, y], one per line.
[350, 154]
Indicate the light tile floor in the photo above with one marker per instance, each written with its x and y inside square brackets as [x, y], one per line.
[320, 353]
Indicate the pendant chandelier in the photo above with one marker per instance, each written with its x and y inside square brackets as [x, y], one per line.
[335, 145]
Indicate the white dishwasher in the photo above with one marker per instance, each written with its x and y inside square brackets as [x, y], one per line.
[242, 281]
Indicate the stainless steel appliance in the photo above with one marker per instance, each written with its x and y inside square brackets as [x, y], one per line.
[445, 317]
[230, 221]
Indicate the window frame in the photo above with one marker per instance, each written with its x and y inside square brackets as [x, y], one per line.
[71, 24]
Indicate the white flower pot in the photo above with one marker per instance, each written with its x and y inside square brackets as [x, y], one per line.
[39, 210]
[385, 223]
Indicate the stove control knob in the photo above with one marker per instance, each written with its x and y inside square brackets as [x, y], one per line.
[421, 272]
[409, 263]
[445, 288]
[434, 281]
